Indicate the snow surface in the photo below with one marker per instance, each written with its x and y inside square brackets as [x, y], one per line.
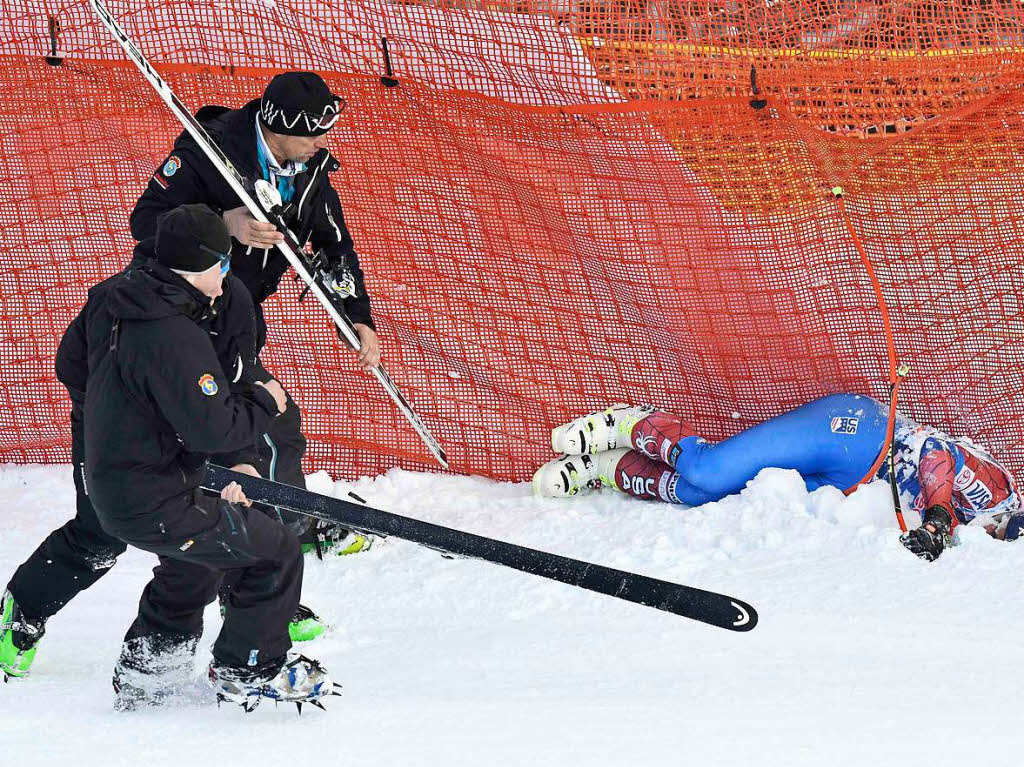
[864, 655]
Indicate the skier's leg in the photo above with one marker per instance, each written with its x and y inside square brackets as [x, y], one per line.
[627, 470]
[571, 474]
[641, 427]
[644, 477]
[833, 440]
[657, 433]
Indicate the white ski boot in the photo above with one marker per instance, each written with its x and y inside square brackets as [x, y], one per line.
[570, 474]
[604, 430]
[297, 680]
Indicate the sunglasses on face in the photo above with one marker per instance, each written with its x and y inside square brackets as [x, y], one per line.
[224, 258]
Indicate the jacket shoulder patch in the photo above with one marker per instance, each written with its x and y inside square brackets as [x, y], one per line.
[208, 385]
[172, 165]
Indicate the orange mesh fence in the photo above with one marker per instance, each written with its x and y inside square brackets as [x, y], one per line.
[562, 204]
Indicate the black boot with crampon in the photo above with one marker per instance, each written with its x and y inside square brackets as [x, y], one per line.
[292, 679]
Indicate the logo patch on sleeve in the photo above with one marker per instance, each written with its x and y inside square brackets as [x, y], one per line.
[844, 425]
[208, 385]
[172, 165]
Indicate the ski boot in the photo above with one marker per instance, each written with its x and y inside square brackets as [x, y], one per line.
[323, 537]
[595, 432]
[571, 474]
[305, 625]
[293, 679]
[19, 636]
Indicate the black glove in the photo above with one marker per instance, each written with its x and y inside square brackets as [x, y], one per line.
[928, 540]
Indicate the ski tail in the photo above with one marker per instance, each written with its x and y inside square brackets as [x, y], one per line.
[705, 606]
[411, 415]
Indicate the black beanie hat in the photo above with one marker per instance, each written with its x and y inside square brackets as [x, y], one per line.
[299, 104]
[191, 238]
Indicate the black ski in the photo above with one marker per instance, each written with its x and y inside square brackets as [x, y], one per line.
[705, 606]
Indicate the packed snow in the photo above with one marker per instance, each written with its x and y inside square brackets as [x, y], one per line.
[863, 654]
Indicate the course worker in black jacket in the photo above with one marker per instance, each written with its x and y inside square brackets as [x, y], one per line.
[281, 138]
[77, 554]
[157, 405]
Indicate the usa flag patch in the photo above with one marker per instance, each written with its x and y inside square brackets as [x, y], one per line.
[844, 425]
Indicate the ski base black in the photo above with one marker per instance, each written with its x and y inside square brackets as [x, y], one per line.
[704, 606]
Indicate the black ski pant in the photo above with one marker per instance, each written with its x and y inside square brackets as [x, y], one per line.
[198, 542]
[72, 557]
[280, 456]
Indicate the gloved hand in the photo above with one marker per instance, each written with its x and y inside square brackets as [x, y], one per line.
[1014, 527]
[929, 540]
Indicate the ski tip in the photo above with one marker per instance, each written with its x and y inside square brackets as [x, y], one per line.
[709, 607]
[745, 616]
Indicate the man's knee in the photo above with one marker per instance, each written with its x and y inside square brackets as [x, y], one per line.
[187, 584]
[91, 544]
[289, 549]
[271, 540]
[707, 472]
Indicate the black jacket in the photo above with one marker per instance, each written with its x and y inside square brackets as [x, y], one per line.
[187, 176]
[157, 401]
[231, 324]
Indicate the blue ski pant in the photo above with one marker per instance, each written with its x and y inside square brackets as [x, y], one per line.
[833, 441]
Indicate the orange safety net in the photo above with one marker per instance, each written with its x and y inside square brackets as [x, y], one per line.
[563, 204]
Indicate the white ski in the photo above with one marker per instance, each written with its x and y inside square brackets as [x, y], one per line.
[291, 247]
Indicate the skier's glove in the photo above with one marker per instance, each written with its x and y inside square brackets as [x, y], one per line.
[925, 543]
